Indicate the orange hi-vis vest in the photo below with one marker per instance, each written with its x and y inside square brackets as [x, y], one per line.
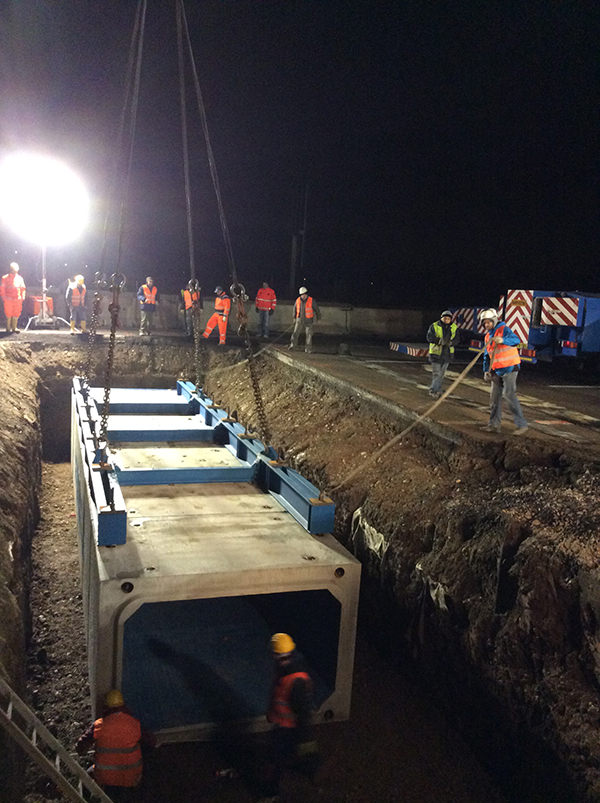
[12, 287]
[280, 710]
[189, 298]
[501, 355]
[78, 295]
[223, 304]
[118, 754]
[266, 299]
[308, 308]
[149, 294]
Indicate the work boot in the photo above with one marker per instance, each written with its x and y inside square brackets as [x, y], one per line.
[72, 327]
[521, 430]
[83, 326]
[492, 428]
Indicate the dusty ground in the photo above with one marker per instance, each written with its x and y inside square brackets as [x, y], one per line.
[480, 570]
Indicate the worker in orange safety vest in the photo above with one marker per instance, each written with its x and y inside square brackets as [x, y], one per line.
[190, 296]
[75, 297]
[306, 310]
[501, 363]
[117, 739]
[147, 296]
[292, 742]
[220, 316]
[12, 292]
[265, 304]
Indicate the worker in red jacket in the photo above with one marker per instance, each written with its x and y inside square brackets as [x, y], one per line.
[12, 292]
[265, 304]
[290, 712]
[220, 316]
[117, 739]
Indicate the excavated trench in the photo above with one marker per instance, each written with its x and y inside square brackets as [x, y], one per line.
[479, 594]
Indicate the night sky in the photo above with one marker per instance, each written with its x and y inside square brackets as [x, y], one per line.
[448, 150]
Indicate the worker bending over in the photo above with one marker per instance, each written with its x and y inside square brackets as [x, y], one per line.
[501, 363]
[306, 310]
[220, 316]
[117, 739]
[75, 297]
[12, 292]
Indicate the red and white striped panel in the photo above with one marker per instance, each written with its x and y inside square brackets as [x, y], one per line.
[501, 307]
[464, 317]
[519, 304]
[560, 311]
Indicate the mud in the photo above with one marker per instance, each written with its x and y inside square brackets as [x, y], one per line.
[480, 569]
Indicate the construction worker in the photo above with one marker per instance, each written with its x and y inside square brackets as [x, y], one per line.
[190, 296]
[117, 738]
[75, 297]
[147, 296]
[12, 292]
[305, 312]
[290, 711]
[220, 316]
[442, 337]
[501, 362]
[265, 304]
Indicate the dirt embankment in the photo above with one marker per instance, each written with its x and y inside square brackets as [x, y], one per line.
[480, 561]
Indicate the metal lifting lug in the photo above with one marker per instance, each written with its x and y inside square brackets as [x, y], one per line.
[238, 291]
[118, 281]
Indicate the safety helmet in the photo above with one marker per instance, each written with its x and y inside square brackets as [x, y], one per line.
[218, 289]
[282, 644]
[14, 265]
[489, 315]
[446, 312]
[302, 290]
[79, 279]
[114, 699]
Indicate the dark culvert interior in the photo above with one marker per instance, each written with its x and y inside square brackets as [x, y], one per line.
[456, 697]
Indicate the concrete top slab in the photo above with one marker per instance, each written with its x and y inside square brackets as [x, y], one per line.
[140, 396]
[160, 423]
[186, 454]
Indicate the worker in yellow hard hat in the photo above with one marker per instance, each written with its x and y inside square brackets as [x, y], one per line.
[290, 712]
[117, 738]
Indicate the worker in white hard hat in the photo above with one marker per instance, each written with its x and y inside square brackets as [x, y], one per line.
[292, 742]
[501, 363]
[220, 316]
[75, 297]
[117, 739]
[306, 310]
[12, 292]
[442, 337]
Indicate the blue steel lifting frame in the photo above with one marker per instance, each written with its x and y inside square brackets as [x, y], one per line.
[256, 463]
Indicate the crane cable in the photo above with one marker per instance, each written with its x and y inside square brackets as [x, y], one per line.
[237, 290]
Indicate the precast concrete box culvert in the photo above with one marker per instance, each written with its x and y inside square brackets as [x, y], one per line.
[197, 544]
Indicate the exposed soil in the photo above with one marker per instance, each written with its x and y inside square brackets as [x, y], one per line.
[479, 570]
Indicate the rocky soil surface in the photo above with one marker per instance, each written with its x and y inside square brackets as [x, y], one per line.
[480, 572]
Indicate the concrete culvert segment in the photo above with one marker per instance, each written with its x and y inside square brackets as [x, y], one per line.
[479, 571]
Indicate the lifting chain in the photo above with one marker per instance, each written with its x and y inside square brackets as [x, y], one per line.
[100, 283]
[117, 282]
[239, 295]
[200, 356]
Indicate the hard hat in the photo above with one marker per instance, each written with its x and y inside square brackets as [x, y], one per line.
[14, 265]
[114, 699]
[79, 278]
[218, 289]
[446, 312]
[302, 290]
[489, 315]
[282, 644]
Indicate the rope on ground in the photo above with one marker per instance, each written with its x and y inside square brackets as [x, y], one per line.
[360, 469]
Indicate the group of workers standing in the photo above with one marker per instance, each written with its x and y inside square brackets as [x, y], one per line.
[501, 363]
[117, 737]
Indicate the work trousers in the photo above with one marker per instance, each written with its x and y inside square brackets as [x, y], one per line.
[305, 324]
[146, 321]
[505, 386]
[438, 371]
[78, 314]
[216, 318]
[13, 307]
[263, 323]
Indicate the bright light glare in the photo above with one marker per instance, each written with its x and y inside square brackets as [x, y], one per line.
[41, 199]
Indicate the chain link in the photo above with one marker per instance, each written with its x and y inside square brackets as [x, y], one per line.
[117, 282]
[100, 283]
